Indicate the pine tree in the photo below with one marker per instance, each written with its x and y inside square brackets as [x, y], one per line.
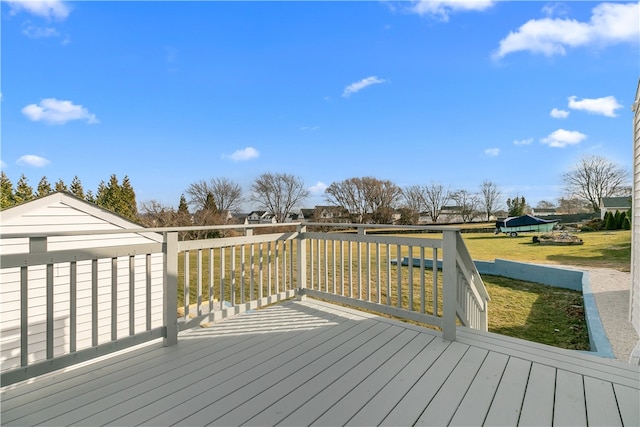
[44, 188]
[183, 217]
[182, 206]
[516, 206]
[6, 192]
[618, 218]
[61, 186]
[626, 223]
[89, 197]
[76, 187]
[128, 203]
[117, 198]
[610, 221]
[623, 216]
[23, 192]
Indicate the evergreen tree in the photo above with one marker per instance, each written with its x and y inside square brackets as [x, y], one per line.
[23, 192]
[76, 187]
[516, 206]
[101, 194]
[44, 188]
[128, 204]
[117, 198]
[183, 217]
[610, 221]
[623, 216]
[61, 186]
[182, 206]
[90, 197]
[618, 218]
[210, 204]
[626, 223]
[6, 192]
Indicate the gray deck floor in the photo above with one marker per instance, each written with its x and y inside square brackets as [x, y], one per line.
[314, 363]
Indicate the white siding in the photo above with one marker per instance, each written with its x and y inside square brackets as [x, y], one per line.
[62, 212]
[635, 242]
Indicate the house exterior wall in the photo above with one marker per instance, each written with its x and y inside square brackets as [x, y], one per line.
[62, 212]
[635, 238]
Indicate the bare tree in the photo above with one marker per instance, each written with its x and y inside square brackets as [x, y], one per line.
[349, 194]
[278, 193]
[154, 214]
[226, 194]
[545, 204]
[595, 177]
[467, 204]
[413, 203]
[435, 197]
[490, 198]
[383, 197]
[573, 204]
[367, 199]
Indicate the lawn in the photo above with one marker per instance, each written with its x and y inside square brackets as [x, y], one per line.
[606, 249]
[520, 309]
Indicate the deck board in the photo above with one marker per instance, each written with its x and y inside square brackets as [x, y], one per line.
[569, 411]
[477, 400]
[314, 363]
[507, 402]
[537, 407]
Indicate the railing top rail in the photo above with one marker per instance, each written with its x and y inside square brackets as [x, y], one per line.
[163, 230]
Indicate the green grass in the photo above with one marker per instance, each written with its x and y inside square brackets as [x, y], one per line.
[538, 313]
[606, 249]
[519, 309]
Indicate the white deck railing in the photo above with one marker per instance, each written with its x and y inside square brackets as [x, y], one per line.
[98, 300]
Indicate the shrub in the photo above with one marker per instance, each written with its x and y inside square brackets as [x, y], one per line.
[595, 224]
[610, 222]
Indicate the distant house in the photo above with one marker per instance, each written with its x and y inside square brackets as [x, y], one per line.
[239, 218]
[306, 215]
[261, 217]
[613, 204]
[331, 214]
[540, 212]
[60, 212]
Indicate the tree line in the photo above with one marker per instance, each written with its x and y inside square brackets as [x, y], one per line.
[118, 197]
[362, 199]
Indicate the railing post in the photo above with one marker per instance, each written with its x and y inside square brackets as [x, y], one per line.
[170, 288]
[301, 261]
[449, 279]
[484, 317]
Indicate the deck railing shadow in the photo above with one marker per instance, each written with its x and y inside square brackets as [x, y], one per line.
[207, 280]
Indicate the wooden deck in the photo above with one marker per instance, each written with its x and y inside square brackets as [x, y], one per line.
[313, 363]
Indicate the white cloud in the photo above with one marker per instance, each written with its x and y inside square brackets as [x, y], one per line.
[244, 154]
[492, 152]
[318, 188]
[50, 9]
[559, 114]
[561, 138]
[551, 9]
[441, 9]
[610, 23]
[3, 165]
[34, 32]
[32, 160]
[523, 141]
[55, 111]
[310, 128]
[358, 86]
[606, 106]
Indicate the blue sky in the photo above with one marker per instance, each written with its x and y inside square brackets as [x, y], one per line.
[450, 92]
